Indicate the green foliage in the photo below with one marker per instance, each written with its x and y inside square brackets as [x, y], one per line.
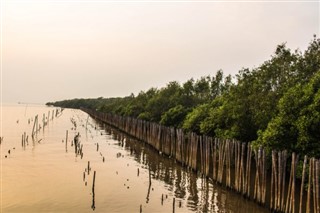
[275, 104]
[174, 116]
[296, 126]
[195, 117]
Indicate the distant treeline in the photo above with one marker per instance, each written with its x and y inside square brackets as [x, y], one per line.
[276, 105]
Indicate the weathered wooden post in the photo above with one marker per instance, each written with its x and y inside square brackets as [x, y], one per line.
[309, 187]
[35, 125]
[174, 205]
[302, 182]
[94, 181]
[88, 167]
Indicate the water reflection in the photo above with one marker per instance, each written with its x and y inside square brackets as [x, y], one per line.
[93, 206]
[192, 191]
[131, 176]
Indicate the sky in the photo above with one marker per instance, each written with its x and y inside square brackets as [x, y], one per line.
[65, 49]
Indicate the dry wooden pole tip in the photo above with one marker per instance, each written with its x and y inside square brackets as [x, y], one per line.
[140, 208]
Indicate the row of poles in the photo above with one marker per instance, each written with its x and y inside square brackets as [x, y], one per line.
[232, 164]
[45, 121]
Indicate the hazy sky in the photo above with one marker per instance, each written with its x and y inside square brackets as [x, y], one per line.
[55, 50]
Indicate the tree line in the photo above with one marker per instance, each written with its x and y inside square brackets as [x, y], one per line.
[276, 105]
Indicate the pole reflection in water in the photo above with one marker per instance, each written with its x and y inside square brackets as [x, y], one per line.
[193, 192]
[126, 175]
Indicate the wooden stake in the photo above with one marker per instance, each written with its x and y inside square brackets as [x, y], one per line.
[284, 158]
[314, 185]
[88, 167]
[94, 181]
[302, 182]
[317, 186]
[34, 125]
[309, 187]
[295, 160]
[249, 169]
[173, 205]
[273, 180]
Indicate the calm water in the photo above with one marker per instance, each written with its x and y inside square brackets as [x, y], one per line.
[47, 175]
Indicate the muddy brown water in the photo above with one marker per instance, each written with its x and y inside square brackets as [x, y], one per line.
[45, 176]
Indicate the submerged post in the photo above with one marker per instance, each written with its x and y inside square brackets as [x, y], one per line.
[94, 180]
[173, 205]
[67, 141]
[34, 125]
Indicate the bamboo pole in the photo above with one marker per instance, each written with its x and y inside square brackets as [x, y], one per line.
[236, 147]
[94, 181]
[249, 169]
[272, 181]
[314, 184]
[228, 169]
[302, 183]
[214, 159]
[284, 158]
[43, 120]
[279, 177]
[35, 124]
[295, 157]
[289, 195]
[88, 167]
[198, 153]
[317, 186]
[174, 205]
[264, 177]
[242, 182]
[309, 187]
